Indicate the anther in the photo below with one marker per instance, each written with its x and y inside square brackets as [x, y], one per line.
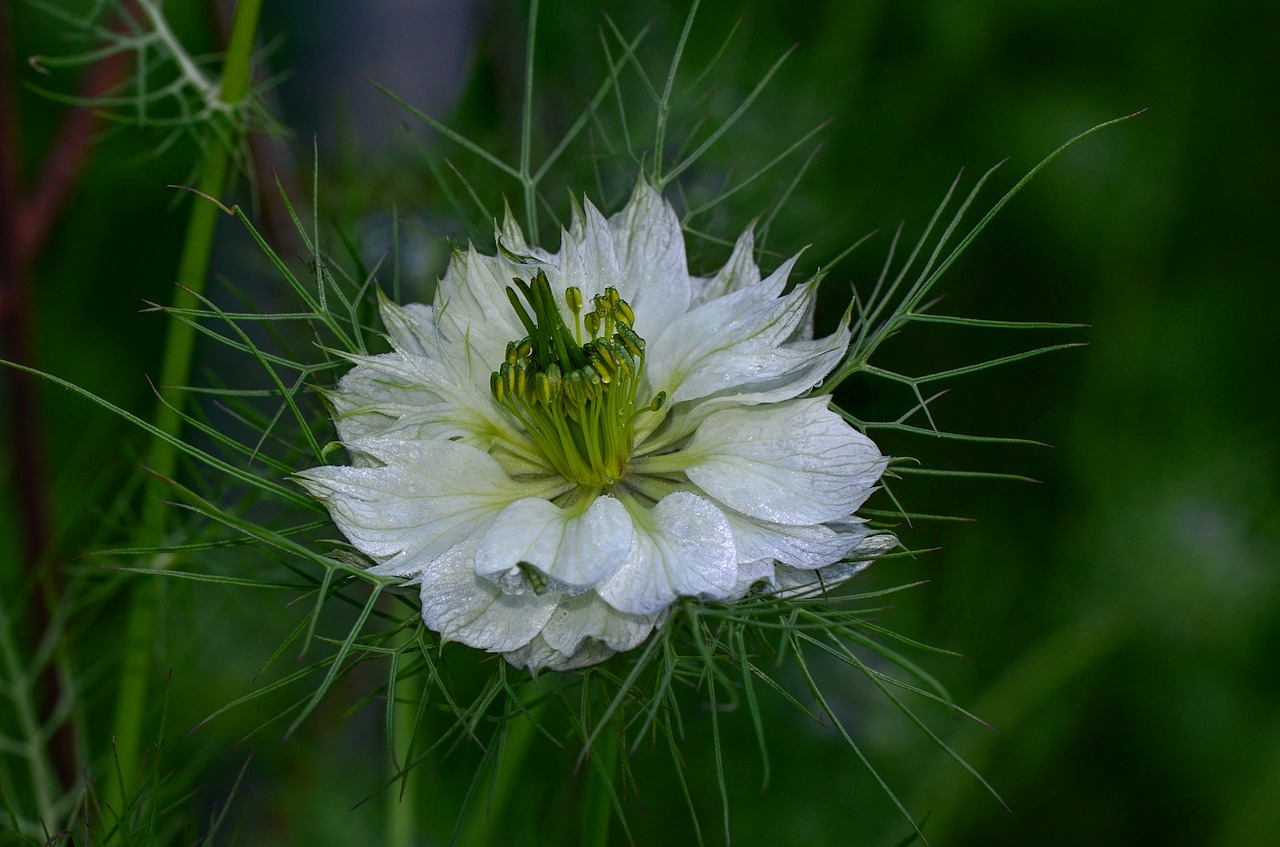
[604, 351]
[623, 362]
[508, 372]
[633, 342]
[620, 351]
[522, 378]
[574, 389]
[576, 399]
[601, 369]
[554, 382]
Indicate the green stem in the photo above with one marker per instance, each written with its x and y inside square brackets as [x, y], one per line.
[598, 804]
[526, 129]
[402, 797]
[520, 731]
[161, 458]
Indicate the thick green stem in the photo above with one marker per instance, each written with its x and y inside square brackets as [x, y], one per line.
[143, 615]
[402, 797]
[597, 810]
[520, 733]
[526, 128]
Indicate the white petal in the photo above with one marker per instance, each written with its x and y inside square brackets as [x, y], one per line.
[408, 396]
[586, 617]
[741, 271]
[587, 261]
[795, 582]
[511, 240]
[742, 342]
[462, 606]
[649, 247]
[682, 547]
[577, 219]
[789, 463]
[473, 313]
[538, 655]
[510, 235]
[790, 582]
[754, 573]
[809, 360]
[575, 548]
[429, 496]
[788, 553]
[809, 547]
[411, 328]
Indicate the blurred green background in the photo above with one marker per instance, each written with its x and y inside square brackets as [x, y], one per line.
[1121, 620]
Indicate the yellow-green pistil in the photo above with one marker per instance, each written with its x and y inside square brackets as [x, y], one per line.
[575, 398]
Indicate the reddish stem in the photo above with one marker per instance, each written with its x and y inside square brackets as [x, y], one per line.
[25, 224]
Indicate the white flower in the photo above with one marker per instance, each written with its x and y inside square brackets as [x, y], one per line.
[554, 483]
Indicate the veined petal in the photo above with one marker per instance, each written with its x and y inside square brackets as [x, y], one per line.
[734, 342]
[462, 606]
[428, 496]
[741, 271]
[754, 573]
[811, 361]
[411, 328]
[587, 257]
[787, 553]
[788, 581]
[805, 546]
[583, 630]
[510, 234]
[473, 313]
[408, 396]
[789, 463]
[574, 548]
[682, 547]
[537, 655]
[578, 620]
[649, 246]
[797, 582]
[510, 237]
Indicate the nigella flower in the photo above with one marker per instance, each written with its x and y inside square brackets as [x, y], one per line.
[564, 445]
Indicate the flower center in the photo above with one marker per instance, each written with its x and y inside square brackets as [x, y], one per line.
[576, 399]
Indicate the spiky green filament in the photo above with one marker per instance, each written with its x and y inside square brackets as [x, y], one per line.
[576, 399]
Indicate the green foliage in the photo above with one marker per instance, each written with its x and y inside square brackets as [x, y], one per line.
[679, 736]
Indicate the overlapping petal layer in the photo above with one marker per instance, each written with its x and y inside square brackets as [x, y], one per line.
[734, 480]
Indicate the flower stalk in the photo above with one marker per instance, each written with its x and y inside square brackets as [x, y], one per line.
[402, 797]
[161, 459]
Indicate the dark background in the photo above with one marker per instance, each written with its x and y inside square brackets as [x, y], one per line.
[1120, 621]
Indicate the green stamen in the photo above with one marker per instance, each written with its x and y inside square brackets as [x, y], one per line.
[576, 399]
